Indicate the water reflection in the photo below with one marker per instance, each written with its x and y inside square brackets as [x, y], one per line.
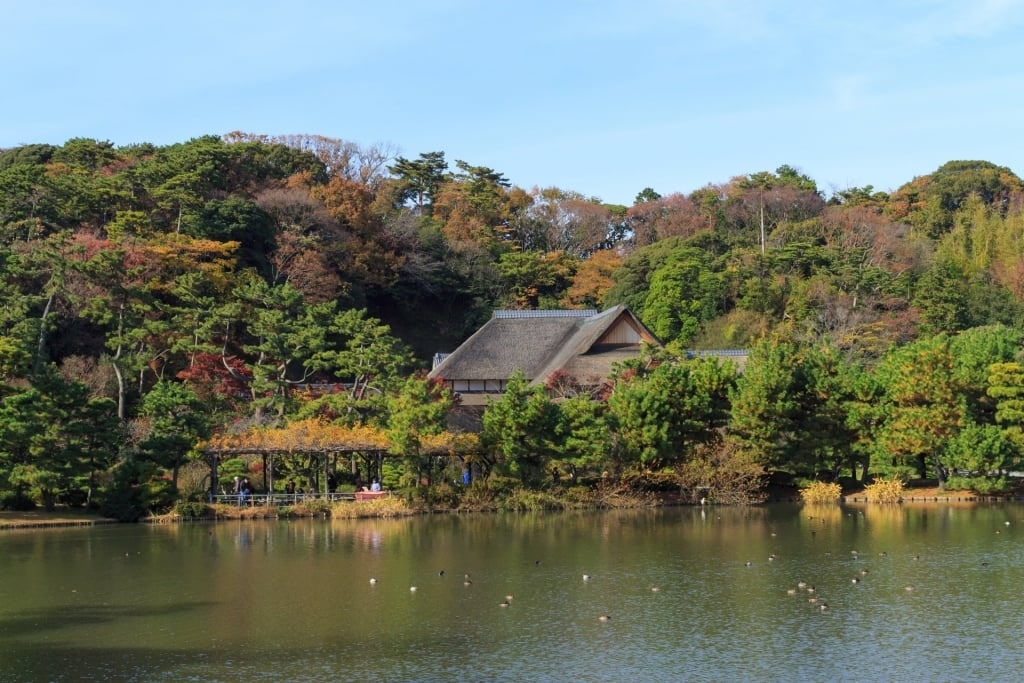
[293, 599]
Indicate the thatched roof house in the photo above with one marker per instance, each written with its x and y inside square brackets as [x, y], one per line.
[584, 345]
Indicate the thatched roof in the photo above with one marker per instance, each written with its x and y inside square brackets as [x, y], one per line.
[537, 343]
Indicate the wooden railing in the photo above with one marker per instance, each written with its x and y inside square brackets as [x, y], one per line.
[279, 499]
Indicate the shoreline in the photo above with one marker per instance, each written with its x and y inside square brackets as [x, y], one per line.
[14, 521]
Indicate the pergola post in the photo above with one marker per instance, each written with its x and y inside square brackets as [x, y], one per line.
[268, 472]
[213, 460]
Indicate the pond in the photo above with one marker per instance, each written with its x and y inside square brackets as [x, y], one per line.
[914, 592]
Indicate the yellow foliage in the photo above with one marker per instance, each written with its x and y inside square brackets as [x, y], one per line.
[449, 443]
[821, 492]
[885, 491]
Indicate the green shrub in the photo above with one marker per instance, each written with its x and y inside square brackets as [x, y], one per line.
[188, 509]
[17, 502]
[123, 502]
[73, 498]
[982, 485]
[391, 475]
[501, 485]
[136, 491]
[160, 495]
[529, 500]
[442, 496]
[992, 485]
[314, 506]
[479, 497]
[579, 497]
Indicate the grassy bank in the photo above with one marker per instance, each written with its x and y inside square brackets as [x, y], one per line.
[57, 518]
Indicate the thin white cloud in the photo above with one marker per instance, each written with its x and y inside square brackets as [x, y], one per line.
[958, 19]
[985, 17]
[849, 92]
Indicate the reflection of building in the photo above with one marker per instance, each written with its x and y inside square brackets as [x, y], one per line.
[581, 346]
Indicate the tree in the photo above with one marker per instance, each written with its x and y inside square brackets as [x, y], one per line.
[592, 280]
[975, 351]
[177, 421]
[586, 439]
[124, 307]
[417, 411]
[929, 202]
[563, 220]
[758, 202]
[661, 217]
[683, 294]
[53, 437]
[825, 391]
[1006, 386]
[941, 296]
[981, 451]
[520, 429]
[646, 195]
[475, 207]
[633, 277]
[765, 403]
[534, 280]
[420, 179]
[659, 415]
[924, 407]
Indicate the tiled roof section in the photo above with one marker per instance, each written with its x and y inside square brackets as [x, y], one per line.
[559, 313]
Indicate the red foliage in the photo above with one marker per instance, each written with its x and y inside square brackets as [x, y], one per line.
[91, 244]
[208, 376]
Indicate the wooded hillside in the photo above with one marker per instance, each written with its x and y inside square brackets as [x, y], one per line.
[155, 295]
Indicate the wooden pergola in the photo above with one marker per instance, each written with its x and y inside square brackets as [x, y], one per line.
[316, 438]
[215, 455]
[323, 441]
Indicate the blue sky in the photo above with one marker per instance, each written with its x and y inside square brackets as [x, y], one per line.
[605, 97]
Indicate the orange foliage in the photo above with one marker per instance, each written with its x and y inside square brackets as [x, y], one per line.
[303, 436]
[593, 279]
[168, 256]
